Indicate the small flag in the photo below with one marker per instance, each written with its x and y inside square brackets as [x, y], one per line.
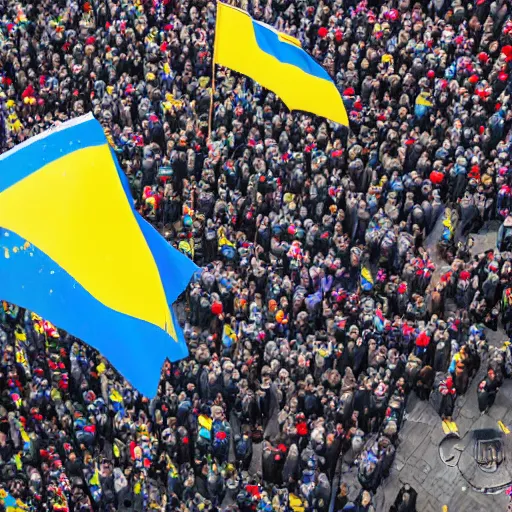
[95, 479]
[366, 279]
[228, 336]
[115, 396]
[423, 98]
[205, 422]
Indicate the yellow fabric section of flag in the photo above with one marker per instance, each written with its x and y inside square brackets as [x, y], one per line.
[20, 336]
[285, 38]
[366, 274]
[237, 48]
[24, 435]
[503, 427]
[127, 280]
[423, 99]
[205, 422]
[229, 332]
[115, 396]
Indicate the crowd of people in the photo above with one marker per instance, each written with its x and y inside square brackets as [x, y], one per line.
[315, 314]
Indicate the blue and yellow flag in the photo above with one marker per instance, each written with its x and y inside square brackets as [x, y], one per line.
[10, 503]
[424, 99]
[366, 279]
[276, 61]
[74, 250]
[228, 336]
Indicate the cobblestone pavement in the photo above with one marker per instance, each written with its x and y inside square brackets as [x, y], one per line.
[418, 462]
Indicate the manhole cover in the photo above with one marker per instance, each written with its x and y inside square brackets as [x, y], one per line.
[447, 450]
[488, 454]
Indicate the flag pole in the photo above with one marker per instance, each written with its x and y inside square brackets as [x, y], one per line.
[210, 116]
[212, 94]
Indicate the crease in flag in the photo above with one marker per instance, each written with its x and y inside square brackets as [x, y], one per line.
[74, 250]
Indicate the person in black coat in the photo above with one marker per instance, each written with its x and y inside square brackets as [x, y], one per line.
[487, 391]
[448, 396]
[362, 398]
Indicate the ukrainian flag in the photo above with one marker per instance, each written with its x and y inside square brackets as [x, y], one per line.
[424, 98]
[366, 279]
[73, 249]
[276, 61]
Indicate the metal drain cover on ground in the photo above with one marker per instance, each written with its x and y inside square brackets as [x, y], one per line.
[447, 450]
[488, 449]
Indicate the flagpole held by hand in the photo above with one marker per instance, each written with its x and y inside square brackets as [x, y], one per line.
[212, 93]
[210, 117]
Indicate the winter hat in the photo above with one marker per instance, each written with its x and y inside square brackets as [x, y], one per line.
[436, 177]
[322, 32]
[464, 275]
[483, 57]
[507, 51]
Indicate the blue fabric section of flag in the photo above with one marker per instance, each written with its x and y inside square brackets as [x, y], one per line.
[30, 278]
[286, 53]
[25, 161]
[180, 351]
[175, 268]
[366, 286]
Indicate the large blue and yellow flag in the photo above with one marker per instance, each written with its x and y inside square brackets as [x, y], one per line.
[74, 250]
[276, 61]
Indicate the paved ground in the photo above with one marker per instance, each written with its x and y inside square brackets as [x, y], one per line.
[418, 462]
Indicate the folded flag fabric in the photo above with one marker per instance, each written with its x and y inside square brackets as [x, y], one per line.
[366, 279]
[115, 396]
[423, 98]
[205, 422]
[92, 267]
[276, 61]
[228, 336]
